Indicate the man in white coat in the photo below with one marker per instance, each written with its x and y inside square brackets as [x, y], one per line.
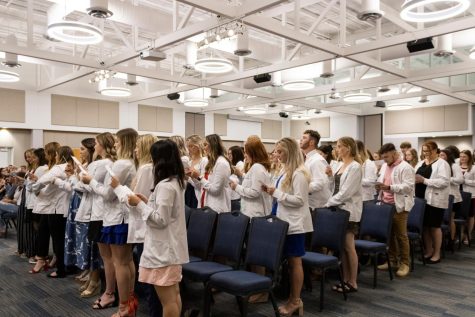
[396, 187]
[319, 191]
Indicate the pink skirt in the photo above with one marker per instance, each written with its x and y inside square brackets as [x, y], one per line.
[162, 276]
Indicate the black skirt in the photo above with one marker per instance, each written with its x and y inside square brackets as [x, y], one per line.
[94, 231]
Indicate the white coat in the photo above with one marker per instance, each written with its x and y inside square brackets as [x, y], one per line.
[165, 241]
[85, 207]
[216, 187]
[402, 185]
[349, 196]
[469, 181]
[115, 213]
[142, 184]
[455, 181]
[370, 175]
[255, 202]
[200, 167]
[50, 198]
[438, 185]
[31, 197]
[319, 189]
[293, 205]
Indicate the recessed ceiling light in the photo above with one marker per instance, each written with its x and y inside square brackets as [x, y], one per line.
[255, 110]
[288, 106]
[422, 10]
[8, 77]
[75, 33]
[115, 92]
[213, 65]
[195, 103]
[298, 85]
[357, 97]
[300, 116]
[399, 106]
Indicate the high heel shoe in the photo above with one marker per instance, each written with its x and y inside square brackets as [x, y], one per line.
[44, 267]
[134, 301]
[93, 289]
[125, 309]
[291, 308]
[84, 286]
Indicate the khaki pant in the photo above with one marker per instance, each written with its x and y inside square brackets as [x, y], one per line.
[399, 243]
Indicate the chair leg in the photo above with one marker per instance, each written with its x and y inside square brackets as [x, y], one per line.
[411, 249]
[307, 277]
[390, 269]
[207, 301]
[322, 288]
[421, 243]
[375, 269]
[460, 234]
[242, 303]
[274, 303]
[340, 273]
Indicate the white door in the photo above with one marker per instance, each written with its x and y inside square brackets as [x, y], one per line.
[5, 156]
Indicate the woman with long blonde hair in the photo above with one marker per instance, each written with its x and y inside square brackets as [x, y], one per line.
[197, 162]
[291, 205]
[115, 222]
[347, 194]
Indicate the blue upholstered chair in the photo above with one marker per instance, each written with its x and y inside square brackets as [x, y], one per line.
[376, 222]
[264, 248]
[199, 232]
[329, 231]
[415, 223]
[445, 227]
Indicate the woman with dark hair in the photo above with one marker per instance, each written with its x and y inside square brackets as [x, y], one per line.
[24, 228]
[236, 156]
[456, 180]
[214, 184]
[165, 246]
[77, 248]
[53, 202]
[433, 185]
[466, 164]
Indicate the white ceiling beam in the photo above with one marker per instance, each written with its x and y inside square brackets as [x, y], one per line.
[442, 89]
[161, 93]
[441, 29]
[462, 88]
[312, 28]
[66, 79]
[288, 7]
[186, 18]
[121, 35]
[243, 91]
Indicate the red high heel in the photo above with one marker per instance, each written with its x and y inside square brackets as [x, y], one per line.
[130, 309]
[134, 301]
[44, 267]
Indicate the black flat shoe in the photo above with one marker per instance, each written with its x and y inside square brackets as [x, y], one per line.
[429, 261]
[56, 275]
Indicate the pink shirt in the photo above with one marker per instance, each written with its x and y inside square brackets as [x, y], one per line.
[388, 195]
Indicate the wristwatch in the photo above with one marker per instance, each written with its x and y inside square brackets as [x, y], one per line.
[199, 178]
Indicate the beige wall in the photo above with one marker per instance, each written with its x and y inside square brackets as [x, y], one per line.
[322, 125]
[220, 124]
[12, 105]
[84, 112]
[72, 139]
[431, 119]
[271, 129]
[155, 119]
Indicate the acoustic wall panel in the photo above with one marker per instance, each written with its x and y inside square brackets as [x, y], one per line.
[433, 119]
[456, 117]
[84, 112]
[271, 129]
[155, 119]
[72, 139]
[220, 124]
[12, 105]
[373, 129]
[164, 120]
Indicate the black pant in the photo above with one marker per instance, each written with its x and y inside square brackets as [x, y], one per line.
[43, 235]
[54, 225]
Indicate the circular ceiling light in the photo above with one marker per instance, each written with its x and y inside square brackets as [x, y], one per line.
[399, 106]
[213, 65]
[298, 85]
[8, 77]
[75, 33]
[288, 106]
[196, 103]
[115, 92]
[255, 110]
[420, 10]
[357, 97]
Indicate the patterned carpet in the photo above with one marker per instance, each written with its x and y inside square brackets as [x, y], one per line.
[445, 290]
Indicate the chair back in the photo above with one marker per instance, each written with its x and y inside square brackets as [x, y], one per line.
[200, 229]
[464, 209]
[230, 233]
[265, 242]
[329, 228]
[415, 219]
[449, 209]
[188, 212]
[376, 220]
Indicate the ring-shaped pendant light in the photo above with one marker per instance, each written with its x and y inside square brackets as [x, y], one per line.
[8, 77]
[410, 10]
[213, 65]
[298, 85]
[75, 33]
[115, 92]
[195, 103]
